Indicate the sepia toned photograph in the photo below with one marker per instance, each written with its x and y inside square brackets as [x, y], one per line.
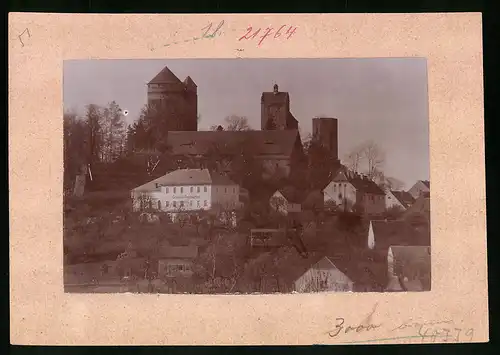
[246, 176]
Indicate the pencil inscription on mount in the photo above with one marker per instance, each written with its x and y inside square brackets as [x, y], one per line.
[232, 181]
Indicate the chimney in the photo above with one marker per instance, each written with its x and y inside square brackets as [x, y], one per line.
[275, 89]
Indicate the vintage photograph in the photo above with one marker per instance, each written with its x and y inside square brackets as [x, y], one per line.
[246, 176]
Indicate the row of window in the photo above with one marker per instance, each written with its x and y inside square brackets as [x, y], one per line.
[182, 204]
[340, 186]
[177, 268]
[374, 197]
[198, 189]
[191, 189]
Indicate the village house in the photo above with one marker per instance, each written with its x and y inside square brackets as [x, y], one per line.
[409, 268]
[286, 200]
[176, 261]
[420, 209]
[187, 190]
[354, 193]
[383, 234]
[398, 199]
[420, 187]
[323, 276]
[286, 270]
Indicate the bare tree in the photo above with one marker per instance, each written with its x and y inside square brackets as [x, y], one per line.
[375, 158]
[237, 123]
[354, 159]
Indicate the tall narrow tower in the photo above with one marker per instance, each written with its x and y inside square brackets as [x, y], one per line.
[325, 130]
[275, 111]
[175, 100]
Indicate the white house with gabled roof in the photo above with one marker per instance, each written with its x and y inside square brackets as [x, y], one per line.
[185, 190]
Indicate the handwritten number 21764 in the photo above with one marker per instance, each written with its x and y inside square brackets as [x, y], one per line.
[269, 31]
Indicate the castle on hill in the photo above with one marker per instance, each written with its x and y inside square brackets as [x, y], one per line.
[277, 143]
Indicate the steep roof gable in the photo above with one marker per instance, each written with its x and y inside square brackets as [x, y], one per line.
[165, 76]
[404, 198]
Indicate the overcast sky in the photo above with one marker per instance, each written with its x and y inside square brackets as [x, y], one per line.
[383, 99]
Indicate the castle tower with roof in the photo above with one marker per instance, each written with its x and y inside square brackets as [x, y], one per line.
[176, 100]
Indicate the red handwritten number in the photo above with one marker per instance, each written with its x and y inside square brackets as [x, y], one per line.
[290, 32]
[278, 33]
[255, 34]
[268, 32]
[249, 29]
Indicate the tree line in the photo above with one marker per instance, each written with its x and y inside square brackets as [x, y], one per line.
[97, 136]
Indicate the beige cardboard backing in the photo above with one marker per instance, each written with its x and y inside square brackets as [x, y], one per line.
[42, 314]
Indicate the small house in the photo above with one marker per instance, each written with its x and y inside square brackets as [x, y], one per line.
[420, 187]
[176, 261]
[285, 201]
[353, 192]
[323, 276]
[398, 199]
[420, 209]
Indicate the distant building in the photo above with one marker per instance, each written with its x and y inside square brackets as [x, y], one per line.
[324, 276]
[275, 111]
[351, 192]
[286, 200]
[325, 131]
[401, 199]
[278, 151]
[420, 187]
[421, 208]
[177, 261]
[383, 234]
[187, 190]
[176, 100]
[409, 268]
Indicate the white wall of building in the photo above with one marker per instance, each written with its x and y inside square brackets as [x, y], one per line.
[226, 196]
[185, 198]
[391, 201]
[323, 280]
[337, 191]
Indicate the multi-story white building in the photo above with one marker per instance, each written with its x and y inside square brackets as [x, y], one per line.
[348, 189]
[185, 190]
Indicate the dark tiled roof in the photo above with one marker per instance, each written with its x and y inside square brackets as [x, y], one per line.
[165, 77]
[363, 184]
[427, 183]
[362, 270]
[389, 233]
[275, 142]
[186, 177]
[291, 194]
[405, 198]
[422, 205]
